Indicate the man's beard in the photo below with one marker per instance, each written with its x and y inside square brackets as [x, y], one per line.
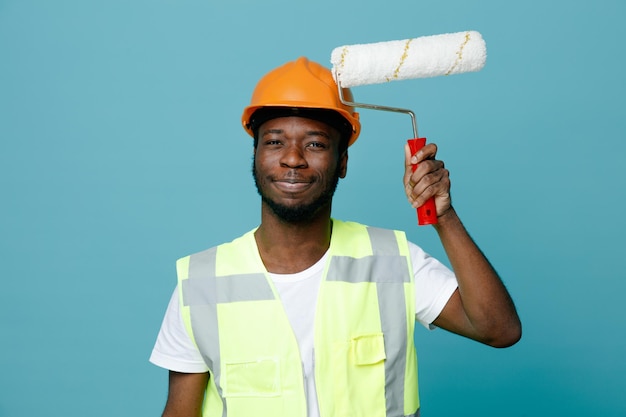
[303, 212]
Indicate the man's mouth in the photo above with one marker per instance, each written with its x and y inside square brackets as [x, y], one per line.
[292, 185]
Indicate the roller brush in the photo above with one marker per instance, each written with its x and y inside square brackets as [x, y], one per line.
[422, 57]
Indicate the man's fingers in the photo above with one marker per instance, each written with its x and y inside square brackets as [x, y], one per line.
[430, 180]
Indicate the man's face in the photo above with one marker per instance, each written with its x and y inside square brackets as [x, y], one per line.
[297, 166]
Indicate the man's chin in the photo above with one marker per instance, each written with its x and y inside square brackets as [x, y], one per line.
[293, 213]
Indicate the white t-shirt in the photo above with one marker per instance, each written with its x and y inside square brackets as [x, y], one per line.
[434, 284]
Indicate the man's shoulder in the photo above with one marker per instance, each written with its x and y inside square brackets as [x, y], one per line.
[349, 225]
[351, 232]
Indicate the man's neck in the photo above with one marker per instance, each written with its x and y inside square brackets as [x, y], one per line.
[288, 248]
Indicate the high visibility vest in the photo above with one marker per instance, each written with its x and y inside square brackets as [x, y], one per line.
[365, 361]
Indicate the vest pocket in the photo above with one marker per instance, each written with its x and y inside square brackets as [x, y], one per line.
[359, 376]
[368, 349]
[255, 378]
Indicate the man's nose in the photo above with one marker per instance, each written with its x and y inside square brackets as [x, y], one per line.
[293, 157]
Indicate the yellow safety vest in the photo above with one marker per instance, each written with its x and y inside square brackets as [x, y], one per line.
[365, 361]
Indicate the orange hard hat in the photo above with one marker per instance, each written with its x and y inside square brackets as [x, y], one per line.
[301, 84]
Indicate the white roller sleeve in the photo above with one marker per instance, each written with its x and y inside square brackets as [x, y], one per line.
[426, 56]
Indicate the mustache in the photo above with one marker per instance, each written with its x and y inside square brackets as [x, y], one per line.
[292, 176]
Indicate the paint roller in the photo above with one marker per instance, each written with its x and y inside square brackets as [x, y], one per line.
[422, 57]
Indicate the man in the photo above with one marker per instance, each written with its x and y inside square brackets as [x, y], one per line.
[307, 315]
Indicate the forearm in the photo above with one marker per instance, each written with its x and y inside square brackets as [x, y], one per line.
[490, 312]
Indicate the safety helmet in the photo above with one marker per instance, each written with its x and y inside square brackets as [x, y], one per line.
[300, 84]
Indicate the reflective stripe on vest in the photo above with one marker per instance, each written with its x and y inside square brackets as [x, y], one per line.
[388, 270]
[204, 290]
[198, 293]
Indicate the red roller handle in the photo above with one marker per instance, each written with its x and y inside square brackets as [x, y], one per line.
[426, 213]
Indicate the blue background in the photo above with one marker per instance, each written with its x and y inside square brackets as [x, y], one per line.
[121, 150]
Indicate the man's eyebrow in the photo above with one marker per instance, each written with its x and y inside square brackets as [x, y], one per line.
[318, 133]
[274, 131]
[308, 132]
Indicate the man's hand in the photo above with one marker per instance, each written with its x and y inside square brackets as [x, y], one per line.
[430, 179]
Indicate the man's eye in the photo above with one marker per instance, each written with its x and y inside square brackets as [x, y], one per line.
[317, 145]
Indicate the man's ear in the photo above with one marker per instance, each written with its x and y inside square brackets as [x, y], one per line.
[343, 164]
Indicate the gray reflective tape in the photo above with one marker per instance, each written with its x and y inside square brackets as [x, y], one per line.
[244, 287]
[378, 269]
[228, 289]
[393, 324]
[392, 307]
[383, 241]
[199, 291]
[204, 315]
